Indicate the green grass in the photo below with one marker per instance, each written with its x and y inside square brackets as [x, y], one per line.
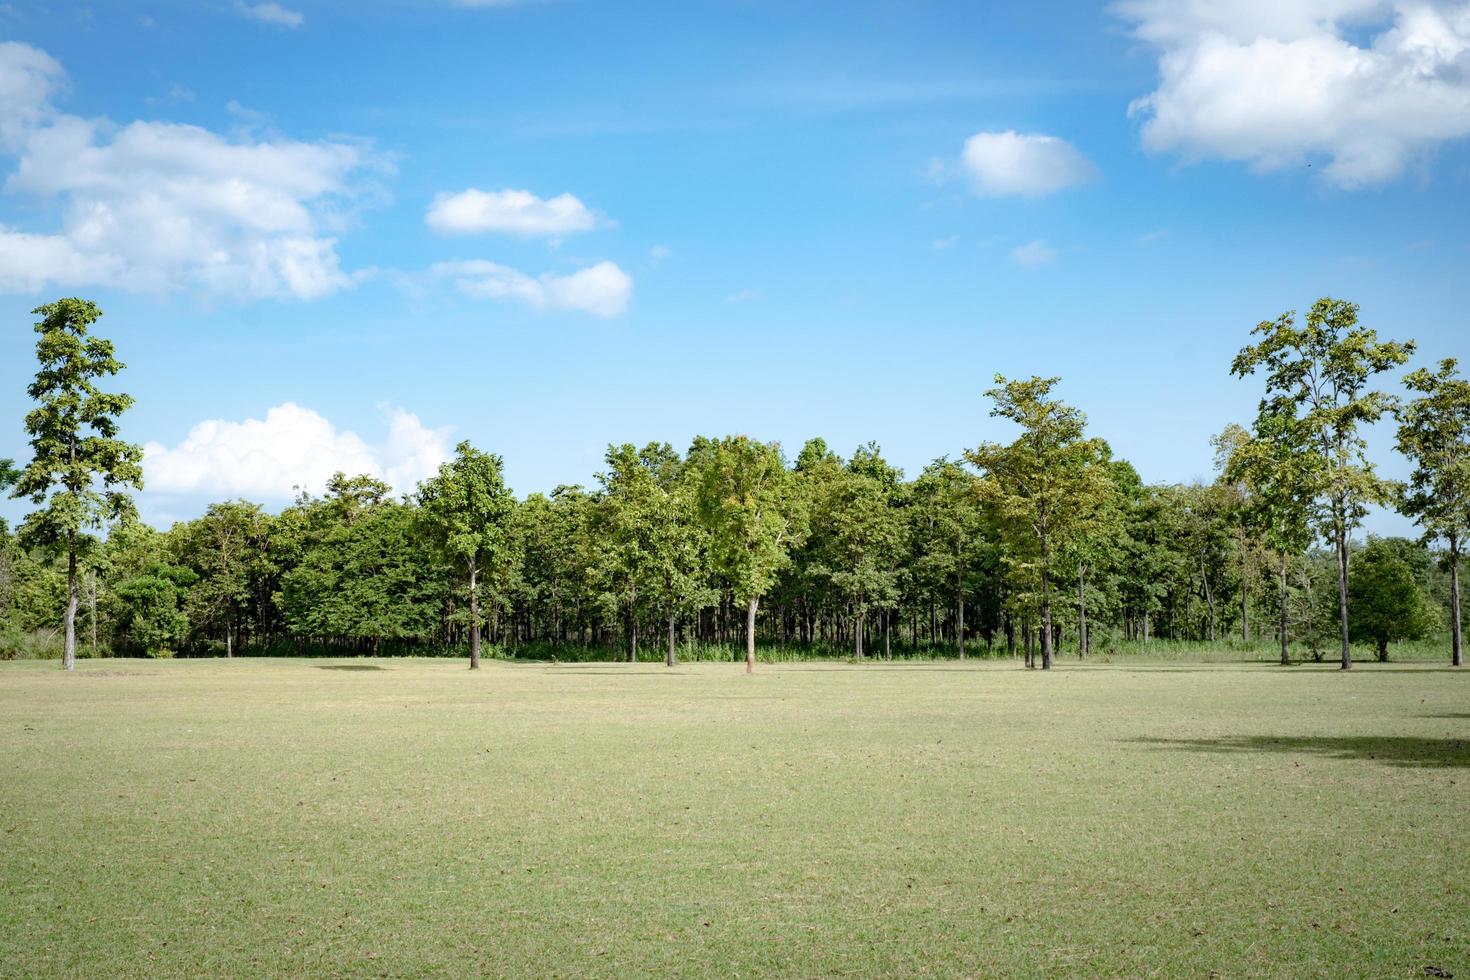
[408, 818]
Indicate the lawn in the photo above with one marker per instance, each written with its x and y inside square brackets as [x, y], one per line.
[408, 818]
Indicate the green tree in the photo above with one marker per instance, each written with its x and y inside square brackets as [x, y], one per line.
[365, 580]
[1046, 483]
[1319, 373]
[751, 504]
[1388, 604]
[468, 508]
[948, 534]
[152, 602]
[867, 537]
[79, 467]
[1434, 433]
[225, 548]
[1278, 470]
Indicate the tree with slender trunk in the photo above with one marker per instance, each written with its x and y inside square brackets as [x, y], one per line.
[1043, 484]
[754, 511]
[1319, 373]
[1434, 433]
[468, 510]
[80, 469]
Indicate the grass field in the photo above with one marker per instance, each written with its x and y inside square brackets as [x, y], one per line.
[409, 818]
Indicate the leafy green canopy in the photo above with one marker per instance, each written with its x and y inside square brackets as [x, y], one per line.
[79, 467]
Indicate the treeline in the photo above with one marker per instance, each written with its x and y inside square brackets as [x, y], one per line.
[1044, 544]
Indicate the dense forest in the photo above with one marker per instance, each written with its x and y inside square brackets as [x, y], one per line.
[1045, 545]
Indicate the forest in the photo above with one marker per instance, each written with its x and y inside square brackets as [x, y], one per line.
[1045, 546]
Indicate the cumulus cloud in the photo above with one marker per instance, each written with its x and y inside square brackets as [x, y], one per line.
[291, 447]
[272, 13]
[509, 211]
[28, 79]
[1366, 85]
[603, 289]
[1033, 254]
[1026, 164]
[157, 206]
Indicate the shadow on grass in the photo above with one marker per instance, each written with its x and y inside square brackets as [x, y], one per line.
[1392, 750]
[348, 667]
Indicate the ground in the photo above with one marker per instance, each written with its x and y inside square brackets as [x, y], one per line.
[407, 818]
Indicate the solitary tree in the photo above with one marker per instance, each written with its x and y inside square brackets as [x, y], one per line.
[1434, 433]
[79, 468]
[1319, 374]
[468, 507]
[1047, 483]
[750, 502]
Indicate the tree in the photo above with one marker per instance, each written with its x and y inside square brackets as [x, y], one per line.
[79, 468]
[468, 507]
[750, 503]
[1434, 433]
[948, 533]
[867, 538]
[365, 580]
[153, 616]
[1319, 374]
[1388, 604]
[1275, 465]
[1045, 483]
[225, 548]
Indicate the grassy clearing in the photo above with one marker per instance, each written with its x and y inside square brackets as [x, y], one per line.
[403, 817]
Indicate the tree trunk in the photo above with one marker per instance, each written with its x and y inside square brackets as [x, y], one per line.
[960, 629]
[1081, 611]
[474, 617]
[1245, 606]
[750, 635]
[887, 636]
[1382, 650]
[632, 638]
[229, 640]
[1285, 655]
[69, 650]
[1045, 614]
[857, 633]
[92, 609]
[1454, 602]
[669, 658]
[1342, 587]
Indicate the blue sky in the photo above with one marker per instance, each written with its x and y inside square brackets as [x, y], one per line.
[338, 229]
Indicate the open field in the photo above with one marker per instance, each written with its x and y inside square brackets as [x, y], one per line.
[407, 817]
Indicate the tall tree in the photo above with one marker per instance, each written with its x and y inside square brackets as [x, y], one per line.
[1320, 373]
[468, 508]
[1434, 433]
[751, 504]
[80, 469]
[867, 537]
[1045, 483]
[1276, 465]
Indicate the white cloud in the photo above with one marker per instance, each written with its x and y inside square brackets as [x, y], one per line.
[743, 296]
[1033, 254]
[272, 13]
[510, 211]
[28, 78]
[291, 447]
[158, 206]
[659, 253]
[1369, 86]
[948, 242]
[1028, 164]
[603, 289]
